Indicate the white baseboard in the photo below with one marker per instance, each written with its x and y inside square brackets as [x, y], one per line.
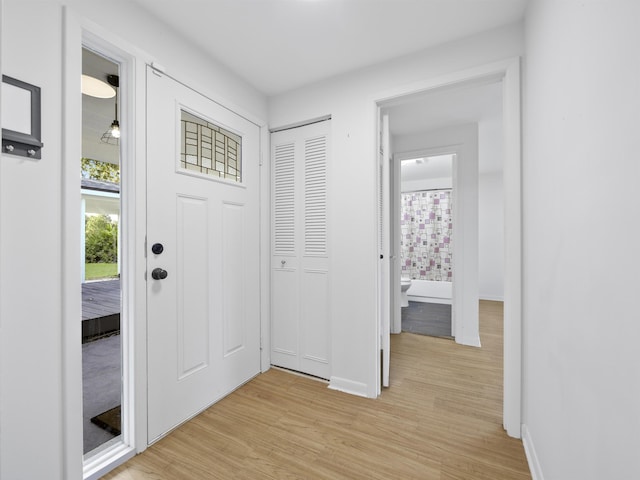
[530, 452]
[469, 341]
[348, 386]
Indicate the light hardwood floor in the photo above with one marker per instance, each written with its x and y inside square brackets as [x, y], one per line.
[441, 419]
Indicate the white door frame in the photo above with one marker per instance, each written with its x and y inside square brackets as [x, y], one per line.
[395, 189]
[385, 232]
[462, 144]
[509, 72]
[78, 31]
[454, 151]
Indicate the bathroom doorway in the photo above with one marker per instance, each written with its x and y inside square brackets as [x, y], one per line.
[426, 201]
[439, 106]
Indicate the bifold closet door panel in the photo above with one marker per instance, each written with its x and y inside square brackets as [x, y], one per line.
[285, 318]
[301, 313]
[314, 323]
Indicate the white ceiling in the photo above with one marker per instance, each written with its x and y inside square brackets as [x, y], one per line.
[445, 108]
[426, 112]
[279, 45]
[439, 167]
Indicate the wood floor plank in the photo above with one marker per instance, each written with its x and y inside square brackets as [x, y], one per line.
[441, 419]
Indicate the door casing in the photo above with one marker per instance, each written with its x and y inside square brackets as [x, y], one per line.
[464, 305]
[79, 31]
[509, 72]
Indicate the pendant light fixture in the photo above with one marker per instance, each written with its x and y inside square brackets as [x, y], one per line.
[112, 135]
[96, 88]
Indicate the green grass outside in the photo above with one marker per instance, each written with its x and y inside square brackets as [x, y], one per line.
[94, 271]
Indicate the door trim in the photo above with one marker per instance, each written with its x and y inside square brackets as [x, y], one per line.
[385, 233]
[465, 318]
[509, 72]
[78, 33]
[72, 433]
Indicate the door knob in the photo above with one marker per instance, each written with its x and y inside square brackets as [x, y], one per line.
[157, 248]
[158, 274]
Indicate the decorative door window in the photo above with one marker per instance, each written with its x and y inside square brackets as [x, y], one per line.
[209, 149]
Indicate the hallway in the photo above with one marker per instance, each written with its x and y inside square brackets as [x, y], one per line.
[441, 419]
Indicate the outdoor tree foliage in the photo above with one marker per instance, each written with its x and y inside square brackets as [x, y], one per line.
[101, 241]
[97, 170]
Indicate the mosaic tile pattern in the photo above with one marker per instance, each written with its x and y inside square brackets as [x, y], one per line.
[426, 226]
[209, 149]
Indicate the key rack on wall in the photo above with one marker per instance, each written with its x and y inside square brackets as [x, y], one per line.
[21, 122]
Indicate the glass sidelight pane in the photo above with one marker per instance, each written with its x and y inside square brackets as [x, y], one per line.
[210, 149]
[99, 167]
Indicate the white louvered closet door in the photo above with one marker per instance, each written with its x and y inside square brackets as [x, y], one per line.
[300, 316]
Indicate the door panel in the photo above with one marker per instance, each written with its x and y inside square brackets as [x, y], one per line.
[301, 312]
[192, 274]
[284, 328]
[204, 317]
[233, 294]
[314, 329]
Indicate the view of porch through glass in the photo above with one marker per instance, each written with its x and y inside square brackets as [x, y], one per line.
[99, 168]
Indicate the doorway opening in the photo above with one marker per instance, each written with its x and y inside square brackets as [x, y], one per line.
[101, 259]
[426, 199]
[505, 78]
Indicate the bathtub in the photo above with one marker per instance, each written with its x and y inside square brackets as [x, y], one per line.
[430, 292]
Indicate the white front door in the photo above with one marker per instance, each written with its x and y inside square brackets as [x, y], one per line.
[202, 252]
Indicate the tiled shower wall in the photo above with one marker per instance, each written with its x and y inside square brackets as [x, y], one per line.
[426, 225]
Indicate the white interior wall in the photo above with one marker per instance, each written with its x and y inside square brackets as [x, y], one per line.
[30, 235]
[350, 100]
[182, 60]
[31, 216]
[581, 260]
[491, 208]
[491, 236]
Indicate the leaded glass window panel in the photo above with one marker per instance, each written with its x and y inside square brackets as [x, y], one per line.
[210, 149]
